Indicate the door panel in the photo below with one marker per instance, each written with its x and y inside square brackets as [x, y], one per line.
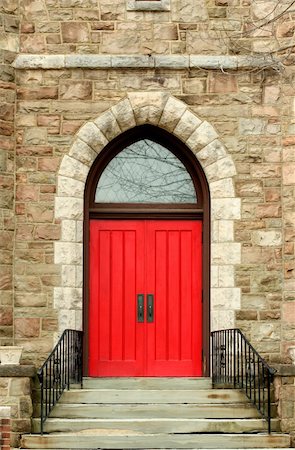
[132, 257]
[116, 276]
[174, 276]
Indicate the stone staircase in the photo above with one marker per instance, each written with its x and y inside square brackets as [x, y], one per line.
[153, 413]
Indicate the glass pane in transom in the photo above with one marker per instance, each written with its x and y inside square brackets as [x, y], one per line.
[145, 172]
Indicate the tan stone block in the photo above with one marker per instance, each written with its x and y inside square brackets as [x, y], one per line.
[267, 238]
[69, 187]
[68, 208]
[28, 300]
[6, 316]
[173, 110]
[39, 213]
[271, 94]
[27, 327]
[92, 136]
[288, 312]
[187, 125]
[189, 11]
[194, 86]
[147, 106]
[269, 210]
[37, 93]
[289, 174]
[203, 135]
[27, 284]
[71, 126]
[226, 253]
[82, 152]
[74, 32]
[49, 120]
[24, 232]
[48, 164]
[166, 31]
[108, 125]
[124, 115]
[222, 188]
[47, 232]
[75, 90]
[253, 126]
[27, 193]
[266, 282]
[73, 168]
[223, 168]
[120, 43]
[32, 43]
[222, 83]
[35, 136]
[249, 188]
[211, 153]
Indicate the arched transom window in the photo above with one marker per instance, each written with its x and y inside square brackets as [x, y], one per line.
[145, 172]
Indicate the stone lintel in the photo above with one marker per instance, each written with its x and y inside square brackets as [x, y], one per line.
[17, 371]
[222, 62]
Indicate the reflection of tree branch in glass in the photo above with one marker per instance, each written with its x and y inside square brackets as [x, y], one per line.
[145, 172]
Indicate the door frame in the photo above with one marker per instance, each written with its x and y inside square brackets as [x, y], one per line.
[150, 211]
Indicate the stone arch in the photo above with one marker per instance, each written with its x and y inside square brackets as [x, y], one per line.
[165, 111]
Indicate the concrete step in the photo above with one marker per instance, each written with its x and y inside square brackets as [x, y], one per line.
[129, 411]
[166, 396]
[147, 383]
[157, 425]
[122, 439]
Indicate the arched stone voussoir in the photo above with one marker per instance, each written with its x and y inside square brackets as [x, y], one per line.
[108, 125]
[186, 125]
[211, 153]
[148, 106]
[70, 187]
[82, 152]
[92, 136]
[223, 168]
[124, 115]
[72, 168]
[173, 110]
[203, 135]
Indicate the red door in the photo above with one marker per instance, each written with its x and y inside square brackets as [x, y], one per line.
[157, 262]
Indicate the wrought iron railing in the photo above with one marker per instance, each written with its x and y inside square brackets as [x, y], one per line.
[235, 363]
[62, 367]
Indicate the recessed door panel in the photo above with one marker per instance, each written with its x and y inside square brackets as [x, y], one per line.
[145, 298]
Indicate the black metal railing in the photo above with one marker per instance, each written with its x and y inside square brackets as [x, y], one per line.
[62, 367]
[236, 363]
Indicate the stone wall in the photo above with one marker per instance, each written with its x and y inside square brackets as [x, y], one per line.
[9, 27]
[16, 393]
[251, 109]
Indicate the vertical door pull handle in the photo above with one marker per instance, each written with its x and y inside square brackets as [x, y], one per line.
[150, 308]
[140, 308]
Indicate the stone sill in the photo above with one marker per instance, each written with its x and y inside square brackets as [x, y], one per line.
[17, 371]
[284, 370]
[173, 62]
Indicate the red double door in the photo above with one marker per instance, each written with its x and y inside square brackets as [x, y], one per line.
[145, 310]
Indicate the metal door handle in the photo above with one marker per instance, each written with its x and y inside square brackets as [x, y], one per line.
[150, 308]
[140, 308]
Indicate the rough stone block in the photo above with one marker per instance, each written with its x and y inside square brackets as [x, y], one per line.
[226, 253]
[82, 152]
[222, 188]
[74, 32]
[67, 253]
[92, 136]
[203, 135]
[223, 168]
[187, 125]
[76, 90]
[124, 115]
[69, 187]
[267, 238]
[108, 125]
[68, 208]
[226, 208]
[73, 168]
